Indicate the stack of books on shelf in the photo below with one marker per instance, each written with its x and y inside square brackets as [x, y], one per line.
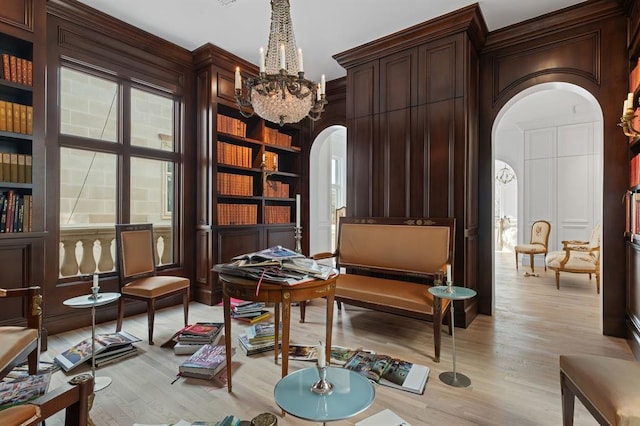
[193, 337]
[274, 137]
[15, 167]
[251, 312]
[110, 347]
[205, 363]
[234, 155]
[277, 214]
[270, 160]
[16, 118]
[276, 189]
[17, 70]
[237, 214]
[232, 184]
[16, 212]
[231, 125]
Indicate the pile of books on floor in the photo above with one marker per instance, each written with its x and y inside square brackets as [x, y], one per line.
[110, 347]
[195, 336]
[250, 312]
[206, 363]
[259, 337]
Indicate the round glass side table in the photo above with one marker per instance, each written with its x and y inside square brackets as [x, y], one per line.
[352, 394]
[452, 293]
[88, 301]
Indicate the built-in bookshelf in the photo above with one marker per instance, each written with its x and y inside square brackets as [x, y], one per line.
[16, 130]
[248, 176]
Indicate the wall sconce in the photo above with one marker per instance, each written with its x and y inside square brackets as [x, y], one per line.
[626, 121]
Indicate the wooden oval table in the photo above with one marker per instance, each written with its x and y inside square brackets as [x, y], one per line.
[279, 294]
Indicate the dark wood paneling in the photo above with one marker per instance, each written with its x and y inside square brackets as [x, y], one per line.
[280, 236]
[395, 140]
[361, 179]
[363, 96]
[17, 14]
[633, 295]
[398, 80]
[438, 78]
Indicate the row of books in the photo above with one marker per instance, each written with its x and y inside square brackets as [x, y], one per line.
[274, 137]
[16, 167]
[110, 347]
[632, 207]
[16, 212]
[16, 118]
[237, 214]
[234, 155]
[277, 214]
[635, 171]
[232, 126]
[17, 70]
[232, 184]
[276, 189]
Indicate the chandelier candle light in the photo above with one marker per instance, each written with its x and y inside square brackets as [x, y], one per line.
[281, 94]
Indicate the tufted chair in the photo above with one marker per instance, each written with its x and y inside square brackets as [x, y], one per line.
[538, 243]
[137, 270]
[18, 343]
[578, 257]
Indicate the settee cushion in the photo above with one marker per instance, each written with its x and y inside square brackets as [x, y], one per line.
[14, 339]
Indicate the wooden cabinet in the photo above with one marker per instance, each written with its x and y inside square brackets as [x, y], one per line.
[22, 147]
[249, 174]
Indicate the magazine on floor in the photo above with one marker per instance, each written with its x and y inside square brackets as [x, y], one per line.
[389, 371]
[81, 352]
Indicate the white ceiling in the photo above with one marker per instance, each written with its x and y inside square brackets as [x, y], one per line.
[322, 28]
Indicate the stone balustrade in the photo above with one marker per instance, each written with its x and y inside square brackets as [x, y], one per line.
[89, 249]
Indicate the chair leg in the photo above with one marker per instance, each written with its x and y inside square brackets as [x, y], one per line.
[185, 302]
[598, 283]
[303, 310]
[516, 261]
[558, 279]
[151, 313]
[531, 262]
[568, 401]
[120, 314]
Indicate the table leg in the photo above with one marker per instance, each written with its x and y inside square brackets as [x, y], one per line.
[286, 321]
[226, 302]
[99, 383]
[276, 329]
[452, 377]
[329, 326]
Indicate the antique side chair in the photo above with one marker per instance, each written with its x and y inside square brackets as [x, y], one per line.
[138, 277]
[538, 242]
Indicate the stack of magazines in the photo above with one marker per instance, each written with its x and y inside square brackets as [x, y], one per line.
[110, 347]
[276, 264]
[195, 336]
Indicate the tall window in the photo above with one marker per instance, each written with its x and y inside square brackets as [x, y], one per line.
[118, 161]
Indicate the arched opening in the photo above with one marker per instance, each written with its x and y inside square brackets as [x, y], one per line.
[327, 186]
[551, 135]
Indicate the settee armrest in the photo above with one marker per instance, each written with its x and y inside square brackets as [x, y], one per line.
[33, 297]
[324, 255]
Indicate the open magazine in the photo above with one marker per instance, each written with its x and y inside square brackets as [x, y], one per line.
[389, 371]
[277, 253]
[339, 354]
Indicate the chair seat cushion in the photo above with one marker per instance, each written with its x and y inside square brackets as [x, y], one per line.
[156, 286]
[610, 384]
[19, 415]
[530, 248]
[578, 261]
[14, 341]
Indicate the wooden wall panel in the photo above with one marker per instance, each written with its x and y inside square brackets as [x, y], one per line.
[398, 80]
[362, 182]
[395, 138]
[438, 70]
[18, 14]
[363, 96]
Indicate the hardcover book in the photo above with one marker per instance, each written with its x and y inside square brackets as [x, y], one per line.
[208, 361]
[252, 349]
[81, 352]
[388, 371]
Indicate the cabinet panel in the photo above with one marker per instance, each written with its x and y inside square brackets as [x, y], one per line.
[440, 71]
[396, 128]
[18, 258]
[364, 94]
[17, 13]
[633, 286]
[398, 80]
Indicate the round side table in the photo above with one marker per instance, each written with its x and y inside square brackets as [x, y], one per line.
[352, 394]
[88, 301]
[452, 293]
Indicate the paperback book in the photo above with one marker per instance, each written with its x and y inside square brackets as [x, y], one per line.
[389, 371]
[252, 319]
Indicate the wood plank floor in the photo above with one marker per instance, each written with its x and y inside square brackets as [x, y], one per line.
[511, 359]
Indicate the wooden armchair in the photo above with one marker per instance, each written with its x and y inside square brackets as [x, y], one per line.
[578, 257]
[18, 343]
[75, 397]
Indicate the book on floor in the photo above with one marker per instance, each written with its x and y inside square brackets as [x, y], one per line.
[23, 389]
[382, 418]
[339, 354]
[109, 357]
[81, 352]
[190, 347]
[389, 371]
[208, 361]
[200, 333]
[252, 319]
[252, 349]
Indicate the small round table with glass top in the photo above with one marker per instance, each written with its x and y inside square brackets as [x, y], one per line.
[452, 293]
[351, 394]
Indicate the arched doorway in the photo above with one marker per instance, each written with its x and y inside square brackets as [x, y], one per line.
[552, 136]
[327, 186]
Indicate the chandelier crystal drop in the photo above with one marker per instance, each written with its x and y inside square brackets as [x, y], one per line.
[280, 93]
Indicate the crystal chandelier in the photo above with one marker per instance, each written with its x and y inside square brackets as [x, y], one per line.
[280, 93]
[505, 175]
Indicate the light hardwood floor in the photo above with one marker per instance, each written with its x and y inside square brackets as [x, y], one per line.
[510, 357]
